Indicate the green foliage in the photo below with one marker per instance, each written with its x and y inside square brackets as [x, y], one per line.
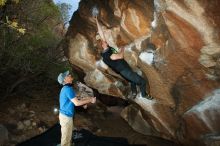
[2, 2]
[34, 49]
[14, 25]
[16, 1]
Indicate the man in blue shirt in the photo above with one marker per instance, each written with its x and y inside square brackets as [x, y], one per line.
[68, 101]
[116, 62]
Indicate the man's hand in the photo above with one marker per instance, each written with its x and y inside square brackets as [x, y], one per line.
[85, 106]
[93, 99]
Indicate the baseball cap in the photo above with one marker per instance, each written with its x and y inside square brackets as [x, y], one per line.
[62, 76]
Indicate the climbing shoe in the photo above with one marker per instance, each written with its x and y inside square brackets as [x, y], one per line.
[146, 95]
[134, 93]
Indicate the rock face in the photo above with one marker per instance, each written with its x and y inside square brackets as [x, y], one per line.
[183, 70]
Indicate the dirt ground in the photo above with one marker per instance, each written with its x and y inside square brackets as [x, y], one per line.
[28, 116]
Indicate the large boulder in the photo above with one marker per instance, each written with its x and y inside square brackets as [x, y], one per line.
[182, 69]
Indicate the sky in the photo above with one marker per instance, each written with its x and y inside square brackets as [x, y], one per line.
[73, 3]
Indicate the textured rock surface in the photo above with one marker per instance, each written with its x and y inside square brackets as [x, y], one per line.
[182, 71]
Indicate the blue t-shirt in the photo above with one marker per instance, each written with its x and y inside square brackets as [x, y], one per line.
[66, 105]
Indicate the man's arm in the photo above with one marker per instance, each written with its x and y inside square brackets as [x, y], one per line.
[119, 55]
[100, 29]
[78, 102]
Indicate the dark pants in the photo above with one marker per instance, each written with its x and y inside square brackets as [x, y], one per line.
[135, 79]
